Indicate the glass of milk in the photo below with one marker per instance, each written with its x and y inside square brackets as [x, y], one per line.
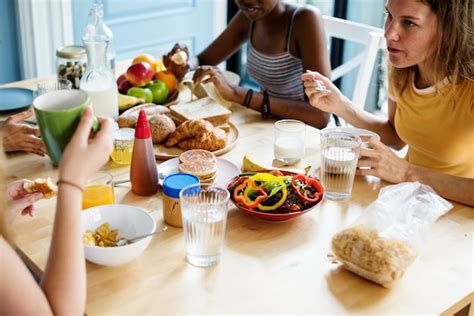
[289, 141]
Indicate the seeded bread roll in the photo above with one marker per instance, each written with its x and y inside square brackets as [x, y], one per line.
[161, 127]
[130, 117]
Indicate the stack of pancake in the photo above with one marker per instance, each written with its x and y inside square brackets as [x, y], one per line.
[199, 162]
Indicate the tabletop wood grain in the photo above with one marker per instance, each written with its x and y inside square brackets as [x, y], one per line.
[266, 267]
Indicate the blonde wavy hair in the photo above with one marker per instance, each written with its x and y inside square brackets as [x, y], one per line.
[454, 54]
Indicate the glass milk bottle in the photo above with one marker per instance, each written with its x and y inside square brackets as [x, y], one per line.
[97, 80]
[97, 26]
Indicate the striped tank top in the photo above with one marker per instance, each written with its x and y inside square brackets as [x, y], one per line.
[279, 74]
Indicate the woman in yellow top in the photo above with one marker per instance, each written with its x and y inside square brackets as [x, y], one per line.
[430, 106]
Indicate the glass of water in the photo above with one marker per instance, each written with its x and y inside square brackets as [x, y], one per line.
[339, 156]
[204, 212]
[288, 145]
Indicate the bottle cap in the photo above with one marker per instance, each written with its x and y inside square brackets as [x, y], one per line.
[142, 128]
[72, 51]
[173, 184]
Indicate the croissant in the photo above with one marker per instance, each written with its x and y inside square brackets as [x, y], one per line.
[189, 129]
[214, 140]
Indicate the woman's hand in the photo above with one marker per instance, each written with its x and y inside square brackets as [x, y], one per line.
[207, 74]
[85, 154]
[383, 163]
[322, 93]
[18, 136]
[19, 201]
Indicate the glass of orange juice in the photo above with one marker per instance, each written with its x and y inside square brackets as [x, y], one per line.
[99, 190]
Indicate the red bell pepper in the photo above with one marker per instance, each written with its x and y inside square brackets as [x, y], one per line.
[306, 188]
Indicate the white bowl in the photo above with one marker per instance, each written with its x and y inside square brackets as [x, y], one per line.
[355, 131]
[130, 221]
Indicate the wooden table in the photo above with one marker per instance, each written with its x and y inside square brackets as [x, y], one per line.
[266, 267]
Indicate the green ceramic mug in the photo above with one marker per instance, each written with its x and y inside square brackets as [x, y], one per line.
[58, 113]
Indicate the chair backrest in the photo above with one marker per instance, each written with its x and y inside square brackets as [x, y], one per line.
[372, 39]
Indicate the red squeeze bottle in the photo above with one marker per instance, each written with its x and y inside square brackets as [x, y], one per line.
[143, 174]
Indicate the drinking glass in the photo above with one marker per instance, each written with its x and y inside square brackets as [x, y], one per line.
[204, 212]
[123, 146]
[339, 155]
[52, 85]
[288, 145]
[99, 190]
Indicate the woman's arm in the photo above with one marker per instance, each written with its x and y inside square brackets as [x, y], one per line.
[386, 165]
[65, 274]
[310, 37]
[283, 108]
[228, 42]
[279, 108]
[335, 102]
[64, 281]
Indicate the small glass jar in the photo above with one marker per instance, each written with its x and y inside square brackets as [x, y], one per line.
[71, 64]
[172, 185]
[123, 146]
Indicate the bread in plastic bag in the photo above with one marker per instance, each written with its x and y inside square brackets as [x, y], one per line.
[387, 237]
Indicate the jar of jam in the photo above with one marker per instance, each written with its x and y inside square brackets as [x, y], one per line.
[172, 185]
[71, 63]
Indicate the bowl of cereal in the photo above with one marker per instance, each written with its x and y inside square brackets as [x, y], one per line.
[105, 227]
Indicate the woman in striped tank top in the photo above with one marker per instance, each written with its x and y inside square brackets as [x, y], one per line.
[284, 40]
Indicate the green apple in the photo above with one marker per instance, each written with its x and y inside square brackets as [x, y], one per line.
[159, 90]
[142, 93]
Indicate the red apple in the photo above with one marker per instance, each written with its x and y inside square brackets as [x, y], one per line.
[124, 86]
[120, 79]
[139, 74]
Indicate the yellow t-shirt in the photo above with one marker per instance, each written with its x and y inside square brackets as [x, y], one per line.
[439, 135]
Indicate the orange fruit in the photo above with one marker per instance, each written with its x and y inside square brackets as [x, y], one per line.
[146, 58]
[168, 78]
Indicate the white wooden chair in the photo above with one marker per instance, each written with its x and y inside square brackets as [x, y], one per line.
[372, 39]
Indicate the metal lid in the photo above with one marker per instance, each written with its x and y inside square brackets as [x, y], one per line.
[173, 184]
[71, 51]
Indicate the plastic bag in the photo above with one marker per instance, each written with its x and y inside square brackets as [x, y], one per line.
[387, 237]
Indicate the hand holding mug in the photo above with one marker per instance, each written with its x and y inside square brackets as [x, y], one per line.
[85, 154]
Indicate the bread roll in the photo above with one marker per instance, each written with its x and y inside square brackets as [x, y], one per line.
[161, 127]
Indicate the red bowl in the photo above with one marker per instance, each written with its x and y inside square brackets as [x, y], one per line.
[273, 216]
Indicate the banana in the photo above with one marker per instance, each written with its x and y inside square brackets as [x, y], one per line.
[127, 101]
[248, 164]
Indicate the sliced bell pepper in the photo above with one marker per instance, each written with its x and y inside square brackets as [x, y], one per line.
[301, 184]
[279, 203]
[242, 192]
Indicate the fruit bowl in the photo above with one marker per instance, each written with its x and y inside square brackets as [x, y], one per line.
[273, 216]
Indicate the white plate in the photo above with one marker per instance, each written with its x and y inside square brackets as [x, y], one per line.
[226, 170]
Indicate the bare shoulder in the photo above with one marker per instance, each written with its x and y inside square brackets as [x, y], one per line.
[239, 23]
[308, 15]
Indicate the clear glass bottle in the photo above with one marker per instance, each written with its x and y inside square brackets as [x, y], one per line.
[98, 80]
[97, 26]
